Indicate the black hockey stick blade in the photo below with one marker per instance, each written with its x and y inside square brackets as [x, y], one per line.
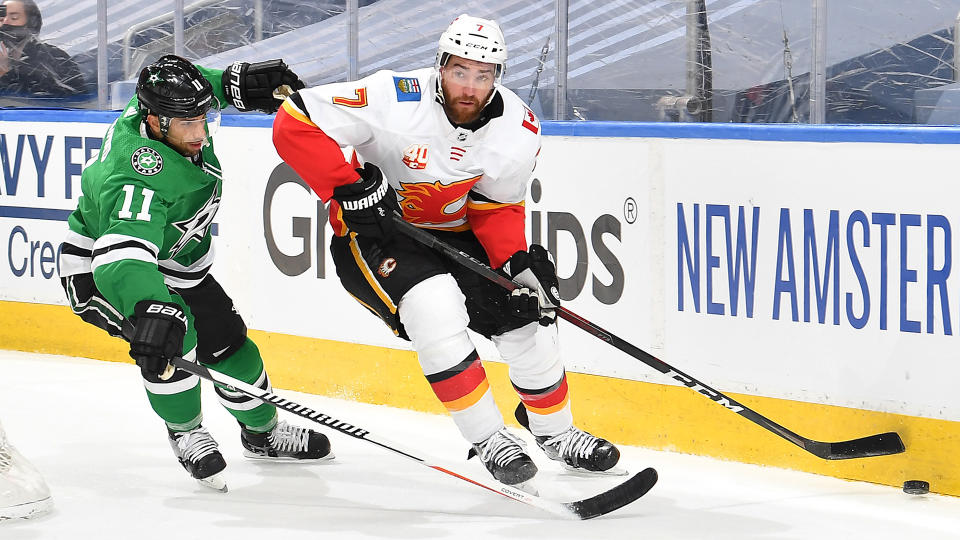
[608, 501]
[882, 444]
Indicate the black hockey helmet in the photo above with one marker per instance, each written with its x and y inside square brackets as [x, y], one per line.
[172, 87]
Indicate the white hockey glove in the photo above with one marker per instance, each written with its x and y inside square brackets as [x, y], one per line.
[539, 294]
[158, 333]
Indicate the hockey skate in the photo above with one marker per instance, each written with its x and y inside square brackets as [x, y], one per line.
[578, 450]
[286, 442]
[198, 453]
[504, 455]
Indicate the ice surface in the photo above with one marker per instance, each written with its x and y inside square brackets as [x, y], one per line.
[87, 426]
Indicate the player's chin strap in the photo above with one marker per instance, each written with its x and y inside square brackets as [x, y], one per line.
[874, 445]
[439, 89]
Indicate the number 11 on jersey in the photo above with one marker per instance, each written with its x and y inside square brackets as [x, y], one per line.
[144, 213]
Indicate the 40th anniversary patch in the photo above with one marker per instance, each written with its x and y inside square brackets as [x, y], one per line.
[146, 161]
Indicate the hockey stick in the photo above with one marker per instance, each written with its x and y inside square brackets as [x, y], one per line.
[598, 505]
[875, 445]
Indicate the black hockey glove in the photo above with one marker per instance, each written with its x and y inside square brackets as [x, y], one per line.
[158, 333]
[367, 204]
[539, 293]
[252, 86]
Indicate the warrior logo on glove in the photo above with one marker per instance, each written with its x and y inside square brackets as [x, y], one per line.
[368, 204]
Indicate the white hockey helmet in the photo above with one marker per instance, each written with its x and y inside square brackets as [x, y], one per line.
[475, 39]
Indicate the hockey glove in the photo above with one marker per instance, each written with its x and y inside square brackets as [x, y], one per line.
[367, 204]
[539, 293]
[158, 333]
[252, 86]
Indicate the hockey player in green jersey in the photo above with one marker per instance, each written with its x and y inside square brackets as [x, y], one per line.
[136, 260]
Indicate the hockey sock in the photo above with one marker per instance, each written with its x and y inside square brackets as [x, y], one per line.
[465, 392]
[537, 374]
[247, 366]
[176, 400]
[548, 409]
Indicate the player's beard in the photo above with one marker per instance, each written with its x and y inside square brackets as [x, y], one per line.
[459, 113]
[457, 110]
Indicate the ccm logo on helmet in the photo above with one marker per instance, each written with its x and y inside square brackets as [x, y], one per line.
[234, 89]
[476, 46]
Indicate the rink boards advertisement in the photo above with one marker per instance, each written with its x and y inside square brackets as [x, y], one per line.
[813, 271]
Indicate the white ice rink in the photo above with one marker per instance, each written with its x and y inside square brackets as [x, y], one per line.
[87, 426]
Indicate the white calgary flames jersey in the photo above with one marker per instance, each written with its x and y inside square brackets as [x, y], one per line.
[394, 121]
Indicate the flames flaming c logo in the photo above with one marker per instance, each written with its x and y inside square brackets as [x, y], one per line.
[435, 203]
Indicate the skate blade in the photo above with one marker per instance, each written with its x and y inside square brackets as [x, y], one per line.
[260, 457]
[27, 510]
[214, 482]
[528, 487]
[613, 471]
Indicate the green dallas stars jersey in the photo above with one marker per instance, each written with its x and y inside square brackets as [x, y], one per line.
[143, 219]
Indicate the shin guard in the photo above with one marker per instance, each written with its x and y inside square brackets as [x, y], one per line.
[435, 317]
[537, 374]
[246, 365]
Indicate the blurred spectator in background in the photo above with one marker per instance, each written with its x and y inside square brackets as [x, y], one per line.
[27, 65]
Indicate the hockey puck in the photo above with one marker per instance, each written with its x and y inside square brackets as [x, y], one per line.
[916, 487]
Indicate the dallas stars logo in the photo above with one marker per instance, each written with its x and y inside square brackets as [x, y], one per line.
[146, 161]
[196, 227]
[154, 78]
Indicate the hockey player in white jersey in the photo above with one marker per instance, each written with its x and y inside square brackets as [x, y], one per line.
[456, 150]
